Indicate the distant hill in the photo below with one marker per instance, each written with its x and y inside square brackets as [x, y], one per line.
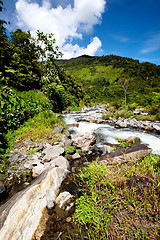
[106, 78]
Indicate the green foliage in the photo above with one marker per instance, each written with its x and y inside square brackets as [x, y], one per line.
[40, 127]
[62, 89]
[116, 79]
[119, 200]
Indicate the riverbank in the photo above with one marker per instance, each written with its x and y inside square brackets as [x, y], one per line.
[52, 194]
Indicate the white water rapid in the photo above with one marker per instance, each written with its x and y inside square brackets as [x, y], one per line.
[108, 133]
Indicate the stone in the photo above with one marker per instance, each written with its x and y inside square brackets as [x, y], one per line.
[68, 143]
[2, 188]
[72, 151]
[133, 139]
[122, 155]
[73, 125]
[15, 157]
[84, 141]
[65, 201]
[52, 152]
[76, 156]
[58, 129]
[148, 128]
[60, 162]
[36, 171]
[25, 215]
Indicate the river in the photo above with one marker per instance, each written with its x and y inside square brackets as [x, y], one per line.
[108, 133]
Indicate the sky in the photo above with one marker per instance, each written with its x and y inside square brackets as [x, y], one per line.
[127, 28]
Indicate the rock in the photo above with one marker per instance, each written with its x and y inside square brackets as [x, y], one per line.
[156, 127]
[72, 151]
[73, 125]
[15, 157]
[122, 155]
[36, 171]
[133, 140]
[68, 143]
[149, 128]
[65, 202]
[60, 162]
[52, 152]
[85, 141]
[76, 156]
[58, 129]
[29, 143]
[2, 188]
[107, 149]
[25, 215]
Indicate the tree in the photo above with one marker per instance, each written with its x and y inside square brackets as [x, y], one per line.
[24, 70]
[125, 84]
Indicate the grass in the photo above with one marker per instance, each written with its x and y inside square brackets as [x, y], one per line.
[39, 127]
[120, 201]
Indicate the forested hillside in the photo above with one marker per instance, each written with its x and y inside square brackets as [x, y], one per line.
[118, 80]
[31, 80]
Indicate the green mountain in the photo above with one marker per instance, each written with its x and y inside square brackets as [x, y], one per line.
[116, 79]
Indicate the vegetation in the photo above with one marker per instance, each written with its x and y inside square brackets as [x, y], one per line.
[119, 201]
[119, 81]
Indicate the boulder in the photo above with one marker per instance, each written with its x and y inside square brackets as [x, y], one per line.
[36, 171]
[133, 140]
[25, 215]
[84, 141]
[65, 203]
[52, 152]
[122, 155]
[60, 162]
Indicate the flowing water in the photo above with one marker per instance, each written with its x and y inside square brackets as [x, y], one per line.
[108, 133]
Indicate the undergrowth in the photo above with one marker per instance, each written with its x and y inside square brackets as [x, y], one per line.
[119, 201]
[40, 127]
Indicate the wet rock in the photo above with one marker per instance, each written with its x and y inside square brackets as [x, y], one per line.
[85, 141]
[73, 125]
[148, 128]
[122, 155]
[133, 140]
[25, 215]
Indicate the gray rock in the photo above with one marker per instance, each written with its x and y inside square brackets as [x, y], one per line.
[2, 188]
[52, 152]
[58, 129]
[76, 156]
[85, 141]
[25, 215]
[72, 151]
[73, 125]
[15, 157]
[60, 162]
[36, 171]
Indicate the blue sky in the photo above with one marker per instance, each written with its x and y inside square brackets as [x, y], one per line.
[128, 28]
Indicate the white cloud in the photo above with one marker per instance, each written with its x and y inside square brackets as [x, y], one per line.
[152, 44]
[75, 50]
[66, 23]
